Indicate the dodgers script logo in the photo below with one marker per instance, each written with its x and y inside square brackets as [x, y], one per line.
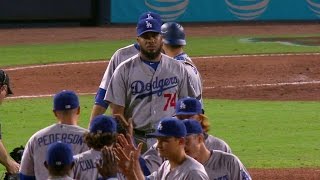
[247, 9]
[314, 6]
[155, 87]
[169, 10]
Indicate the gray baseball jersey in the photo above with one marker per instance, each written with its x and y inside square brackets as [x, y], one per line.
[146, 94]
[60, 178]
[225, 166]
[35, 151]
[215, 143]
[189, 169]
[118, 57]
[193, 73]
[153, 160]
[85, 166]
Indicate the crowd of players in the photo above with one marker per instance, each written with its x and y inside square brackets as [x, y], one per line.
[158, 128]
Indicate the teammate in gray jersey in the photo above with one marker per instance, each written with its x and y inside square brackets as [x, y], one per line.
[119, 56]
[219, 165]
[66, 110]
[102, 133]
[187, 108]
[147, 86]
[173, 43]
[59, 161]
[170, 136]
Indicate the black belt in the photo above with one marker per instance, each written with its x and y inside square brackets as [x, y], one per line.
[142, 132]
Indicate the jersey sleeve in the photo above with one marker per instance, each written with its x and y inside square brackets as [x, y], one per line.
[186, 89]
[239, 171]
[116, 91]
[195, 80]
[27, 161]
[113, 63]
[152, 159]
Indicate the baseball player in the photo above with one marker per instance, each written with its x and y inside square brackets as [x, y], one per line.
[170, 136]
[187, 108]
[173, 43]
[59, 161]
[5, 90]
[66, 110]
[119, 56]
[218, 164]
[102, 132]
[147, 86]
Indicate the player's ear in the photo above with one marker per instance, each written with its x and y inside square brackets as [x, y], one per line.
[55, 113]
[78, 110]
[200, 138]
[182, 141]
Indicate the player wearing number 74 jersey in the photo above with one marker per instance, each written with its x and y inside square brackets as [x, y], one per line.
[147, 86]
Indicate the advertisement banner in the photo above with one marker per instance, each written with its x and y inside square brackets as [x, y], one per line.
[128, 11]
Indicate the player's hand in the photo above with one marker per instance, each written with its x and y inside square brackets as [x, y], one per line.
[127, 159]
[126, 124]
[126, 143]
[107, 166]
[12, 166]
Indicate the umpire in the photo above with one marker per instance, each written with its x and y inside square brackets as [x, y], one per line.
[5, 90]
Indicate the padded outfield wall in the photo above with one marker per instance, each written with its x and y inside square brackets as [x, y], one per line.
[127, 11]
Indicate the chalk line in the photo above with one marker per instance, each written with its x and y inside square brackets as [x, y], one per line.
[223, 87]
[200, 57]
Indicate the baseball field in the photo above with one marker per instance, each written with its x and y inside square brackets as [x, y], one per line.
[261, 85]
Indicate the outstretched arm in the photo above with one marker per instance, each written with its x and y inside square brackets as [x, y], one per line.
[11, 165]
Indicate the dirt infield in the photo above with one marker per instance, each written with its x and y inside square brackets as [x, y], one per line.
[277, 77]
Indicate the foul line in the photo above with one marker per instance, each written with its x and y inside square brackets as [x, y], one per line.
[200, 57]
[223, 87]
[265, 85]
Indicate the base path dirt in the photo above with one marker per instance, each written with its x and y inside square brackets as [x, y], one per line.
[277, 77]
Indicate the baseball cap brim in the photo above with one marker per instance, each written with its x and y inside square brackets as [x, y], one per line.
[179, 42]
[156, 134]
[186, 113]
[149, 30]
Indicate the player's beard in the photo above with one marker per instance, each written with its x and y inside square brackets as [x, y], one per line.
[151, 55]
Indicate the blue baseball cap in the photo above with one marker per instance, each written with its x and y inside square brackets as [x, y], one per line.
[150, 15]
[65, 100]
[169, 127]
[192, 126]
[188, 106]
[148, 25]
[59, 154]
[103, 124]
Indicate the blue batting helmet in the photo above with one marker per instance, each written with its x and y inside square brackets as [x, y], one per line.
[173, 34]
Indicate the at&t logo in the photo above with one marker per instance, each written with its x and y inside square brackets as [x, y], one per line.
[314, 6]
[169, 10]
[247, 9]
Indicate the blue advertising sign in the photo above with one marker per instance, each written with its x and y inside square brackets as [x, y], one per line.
[128, 11]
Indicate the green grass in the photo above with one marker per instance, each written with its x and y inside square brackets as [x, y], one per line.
[269, 134]
[84, 51]
[262, 134]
